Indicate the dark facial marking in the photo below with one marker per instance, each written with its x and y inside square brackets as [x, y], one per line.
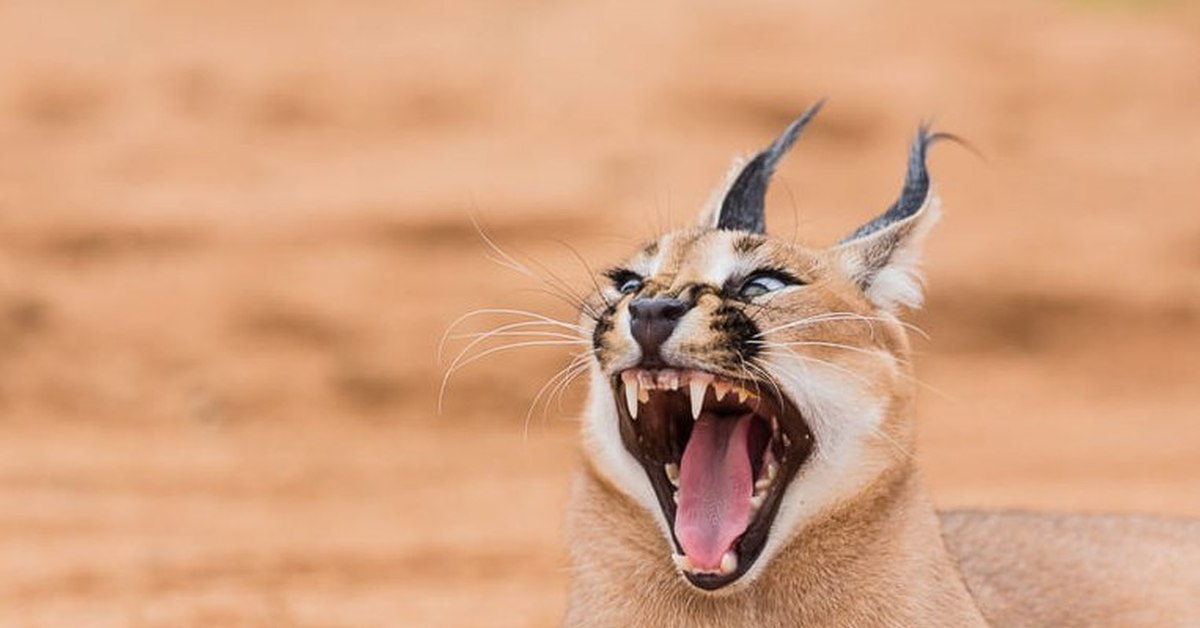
[603, 326]
[738, 328]
[747, 244]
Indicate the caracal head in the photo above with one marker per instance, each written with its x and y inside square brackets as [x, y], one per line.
[743, 385]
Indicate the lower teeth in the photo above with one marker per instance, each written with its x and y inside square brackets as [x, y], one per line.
[729, 563]
[672, 471]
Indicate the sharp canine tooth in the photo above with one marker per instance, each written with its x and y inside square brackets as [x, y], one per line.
[672, 471]
[729, 562]
[631, 395]
[697, 387]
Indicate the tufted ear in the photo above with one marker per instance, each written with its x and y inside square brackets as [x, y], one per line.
[883, 256]
[739, 204]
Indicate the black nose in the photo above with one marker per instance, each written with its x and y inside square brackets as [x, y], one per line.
[651, 322]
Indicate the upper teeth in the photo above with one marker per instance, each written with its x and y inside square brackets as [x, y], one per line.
[631, 393]
[638, 383]
[696, 389]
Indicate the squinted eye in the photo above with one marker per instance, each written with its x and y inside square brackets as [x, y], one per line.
[761, 283]
[625, 281]
[631, 285]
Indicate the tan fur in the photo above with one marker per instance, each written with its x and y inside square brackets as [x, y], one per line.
[1039, 569]
[875, 561]
[857, 541]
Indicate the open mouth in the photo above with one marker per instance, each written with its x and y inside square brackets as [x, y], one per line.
[719, 453]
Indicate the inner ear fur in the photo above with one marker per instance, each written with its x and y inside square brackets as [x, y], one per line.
[885, 263]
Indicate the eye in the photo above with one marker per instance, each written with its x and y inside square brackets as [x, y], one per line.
[630, 285]
[762, 282]
[626, 281]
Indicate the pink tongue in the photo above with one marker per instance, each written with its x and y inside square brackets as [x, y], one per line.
[715, 485]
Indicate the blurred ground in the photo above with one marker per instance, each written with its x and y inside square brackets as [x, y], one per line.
[231, 233]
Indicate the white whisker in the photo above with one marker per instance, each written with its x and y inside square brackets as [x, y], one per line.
[818, 343]
[507, 312]
[765, 375]
[910, 377]
[496, 333]
[558, 287]
[845, 316]
[874, 429]
[579, 361]
[796, 356]
[504, 330]
[562, 386]
[816, 318]
[460, 363]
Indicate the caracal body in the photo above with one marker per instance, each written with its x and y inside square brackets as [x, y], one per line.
[748, 439]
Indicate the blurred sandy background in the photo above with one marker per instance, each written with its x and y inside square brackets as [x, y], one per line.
[231, 233]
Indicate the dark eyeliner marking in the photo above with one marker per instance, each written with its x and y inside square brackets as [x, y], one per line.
[778, 273]
[734, 285]
[620, 275]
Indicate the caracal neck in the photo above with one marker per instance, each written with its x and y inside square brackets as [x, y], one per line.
[877, 560]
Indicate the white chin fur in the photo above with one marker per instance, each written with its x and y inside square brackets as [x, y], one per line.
[842, 418]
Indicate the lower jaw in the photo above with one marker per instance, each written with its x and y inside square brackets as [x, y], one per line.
[747, 549]
[727, 577]
[612, 498]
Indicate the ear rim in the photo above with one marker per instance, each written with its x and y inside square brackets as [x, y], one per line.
[883, 255]
[917, 187]
[710, 212]
[896, 280]
[739, 203]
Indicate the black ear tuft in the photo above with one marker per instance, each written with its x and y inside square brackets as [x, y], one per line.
[916, 184]
[743, 207]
